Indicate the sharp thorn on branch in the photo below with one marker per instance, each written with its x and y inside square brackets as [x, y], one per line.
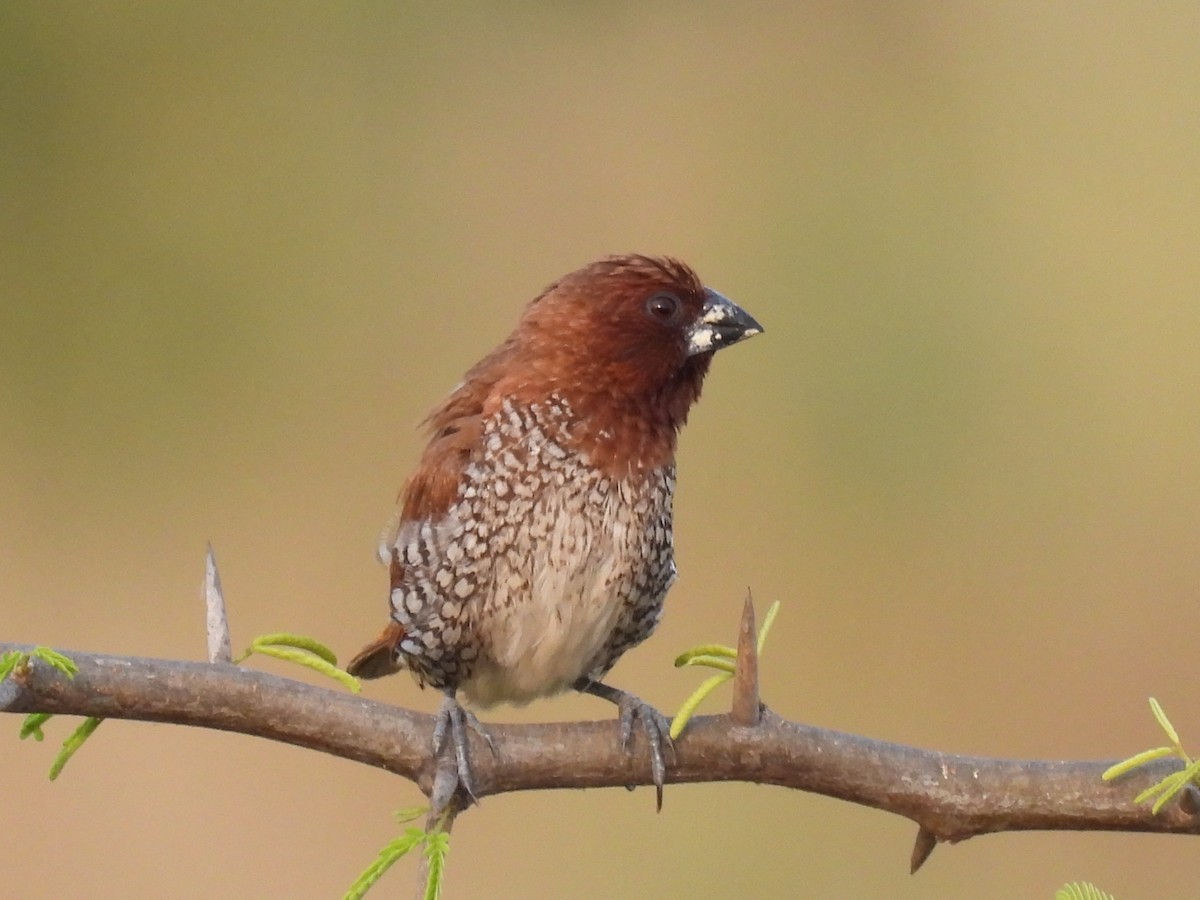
[746, 709]
[924, 845]
[220, 648]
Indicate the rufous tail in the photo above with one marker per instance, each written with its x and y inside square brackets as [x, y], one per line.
[381, 656]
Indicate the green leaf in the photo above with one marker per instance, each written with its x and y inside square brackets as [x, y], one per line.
[1164, 722]
[10, 661]
[304, 651]
[73, 743]
[64, 664]
[1164, 790]
[13, 658]
[316, 663]
[688, 708]
[388, 856]
[299, 641]
[768, 621]
[32, 726]
[1169, 787]
[437, 845]
[713, 662]
[719, 650]
[1081, 890]
[1133, 762]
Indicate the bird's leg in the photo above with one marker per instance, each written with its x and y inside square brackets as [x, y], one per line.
[654, 725]
[450, 743]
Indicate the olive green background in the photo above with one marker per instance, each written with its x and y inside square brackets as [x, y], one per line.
[245, 247]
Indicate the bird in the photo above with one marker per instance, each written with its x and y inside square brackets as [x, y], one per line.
[534, 541]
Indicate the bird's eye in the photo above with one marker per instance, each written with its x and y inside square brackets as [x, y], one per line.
[663, 307]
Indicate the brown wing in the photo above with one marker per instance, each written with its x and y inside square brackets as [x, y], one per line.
[455, 429]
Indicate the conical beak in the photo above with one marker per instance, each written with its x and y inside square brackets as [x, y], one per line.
[722, 323]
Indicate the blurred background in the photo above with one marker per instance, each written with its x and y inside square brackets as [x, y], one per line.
[245, 248]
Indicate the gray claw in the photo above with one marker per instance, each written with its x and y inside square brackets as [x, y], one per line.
[654, 725]
[658, 735]
[450, 732]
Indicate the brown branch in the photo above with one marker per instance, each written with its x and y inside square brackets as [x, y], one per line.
[950, 797]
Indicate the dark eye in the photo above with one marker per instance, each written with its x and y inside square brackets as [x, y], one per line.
[663, 307]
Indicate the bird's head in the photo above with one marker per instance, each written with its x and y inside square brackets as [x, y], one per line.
[632, 327]
[626, 341]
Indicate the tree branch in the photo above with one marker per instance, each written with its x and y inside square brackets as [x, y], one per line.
[950, 797]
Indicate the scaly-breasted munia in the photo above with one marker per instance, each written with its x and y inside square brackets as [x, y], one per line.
[534, 543]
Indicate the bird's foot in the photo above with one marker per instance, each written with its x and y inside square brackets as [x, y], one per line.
[451, 748]
[655, 727]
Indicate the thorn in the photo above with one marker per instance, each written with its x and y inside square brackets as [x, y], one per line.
[219, 647]
[746, 708]
[924, 845]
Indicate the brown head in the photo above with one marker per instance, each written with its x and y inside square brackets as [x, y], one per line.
[630, 332]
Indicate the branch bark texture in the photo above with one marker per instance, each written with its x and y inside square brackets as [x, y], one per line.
[950, 797]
